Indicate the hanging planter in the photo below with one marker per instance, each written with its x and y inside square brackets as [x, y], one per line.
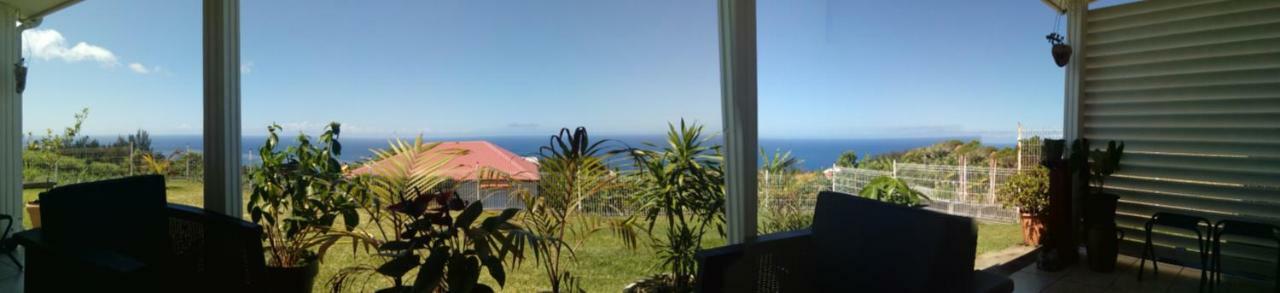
[20, 76]
[1061, 51]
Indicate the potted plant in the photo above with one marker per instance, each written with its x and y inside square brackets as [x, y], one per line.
[298, 195]
[1100, 205]
[1029, 192]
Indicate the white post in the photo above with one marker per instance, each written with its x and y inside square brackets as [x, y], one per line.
[1019, 146]
[222, 107]
[834, 173]
[1073, 98]
[738, 107]
[895, 168]
[10, 117]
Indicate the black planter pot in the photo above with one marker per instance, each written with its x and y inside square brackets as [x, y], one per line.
[1103, 248]
[1061, 54]
[294, 279]
[1100, 210]
[1102, 239]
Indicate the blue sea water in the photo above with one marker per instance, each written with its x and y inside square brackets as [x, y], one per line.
[815, 154]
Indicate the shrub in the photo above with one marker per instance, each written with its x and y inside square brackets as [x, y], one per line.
[1028, 190]
[893, 190]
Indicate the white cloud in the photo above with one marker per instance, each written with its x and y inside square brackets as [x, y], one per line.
[48, 44]
[142, 69]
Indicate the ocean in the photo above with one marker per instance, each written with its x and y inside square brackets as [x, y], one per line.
[814, 154]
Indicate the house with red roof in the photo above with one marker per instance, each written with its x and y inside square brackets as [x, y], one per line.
[471, 159]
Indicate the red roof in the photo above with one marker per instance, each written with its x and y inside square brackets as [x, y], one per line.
[477, 154]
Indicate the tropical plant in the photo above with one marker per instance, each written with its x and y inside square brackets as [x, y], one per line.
[893, 190]
[157, 164]
[683, 187]
[1027, 190]
[298, 195]
[780, 162]
[1103, 163]
[417, 221]
[847, 159]
[573, 170]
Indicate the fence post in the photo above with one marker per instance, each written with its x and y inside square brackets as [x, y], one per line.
[991, 177]
[1019, 146]
[895, 168]
[835, 172]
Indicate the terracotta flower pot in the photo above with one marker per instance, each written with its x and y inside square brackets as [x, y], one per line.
[1032, 228]
[33, 212]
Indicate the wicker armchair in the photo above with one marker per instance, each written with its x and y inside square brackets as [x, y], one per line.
[855, 245]
[113, 236]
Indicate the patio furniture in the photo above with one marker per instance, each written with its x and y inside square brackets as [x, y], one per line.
[120, 236]
[1177, 221]
[1241, 229]
[855, 245]
[7, 243]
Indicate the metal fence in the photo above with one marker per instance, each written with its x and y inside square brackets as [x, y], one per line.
[959, 190]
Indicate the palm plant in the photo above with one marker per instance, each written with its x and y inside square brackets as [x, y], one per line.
[683, 188]
[573, 170]
[158, 164]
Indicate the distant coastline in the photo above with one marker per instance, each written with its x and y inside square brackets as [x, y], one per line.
[816, 154]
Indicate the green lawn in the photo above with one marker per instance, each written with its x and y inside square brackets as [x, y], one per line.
[604, 264]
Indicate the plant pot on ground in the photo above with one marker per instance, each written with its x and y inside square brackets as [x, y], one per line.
[33, 213]
[298, 196]
[1100, 206]
[1029, 192]
[291, 279]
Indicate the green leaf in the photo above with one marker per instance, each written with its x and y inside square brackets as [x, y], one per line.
[431, 271]
[463, 274]
[469, 215]
[494, 265]
[398, 266]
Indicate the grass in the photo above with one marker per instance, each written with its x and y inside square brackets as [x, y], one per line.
[603, 263]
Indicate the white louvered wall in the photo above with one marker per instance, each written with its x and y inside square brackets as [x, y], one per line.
[1193, 89]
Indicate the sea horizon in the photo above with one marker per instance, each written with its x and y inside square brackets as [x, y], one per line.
[813, 153]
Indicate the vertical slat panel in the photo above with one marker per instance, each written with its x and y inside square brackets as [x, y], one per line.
[1193, 87]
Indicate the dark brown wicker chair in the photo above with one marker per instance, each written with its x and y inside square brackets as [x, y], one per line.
[855, 245]
[112, 236]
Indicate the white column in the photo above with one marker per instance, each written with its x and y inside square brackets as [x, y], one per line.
[10, 118]
[1074, 97]
[738, 101]
[222, 107]
[1072, 126]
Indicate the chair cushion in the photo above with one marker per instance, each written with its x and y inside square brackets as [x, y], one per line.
[870, 246]
[124, 215]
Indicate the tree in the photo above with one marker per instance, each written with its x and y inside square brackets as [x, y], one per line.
[848, 159]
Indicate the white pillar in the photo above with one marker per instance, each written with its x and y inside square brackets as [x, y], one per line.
[738, 102]
[10, 118]
[1072, 126]
[222, 192]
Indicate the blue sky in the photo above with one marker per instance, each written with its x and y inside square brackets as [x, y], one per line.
[827, 69]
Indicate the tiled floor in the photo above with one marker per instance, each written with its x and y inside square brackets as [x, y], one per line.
[1079, 279]
[10, 277]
